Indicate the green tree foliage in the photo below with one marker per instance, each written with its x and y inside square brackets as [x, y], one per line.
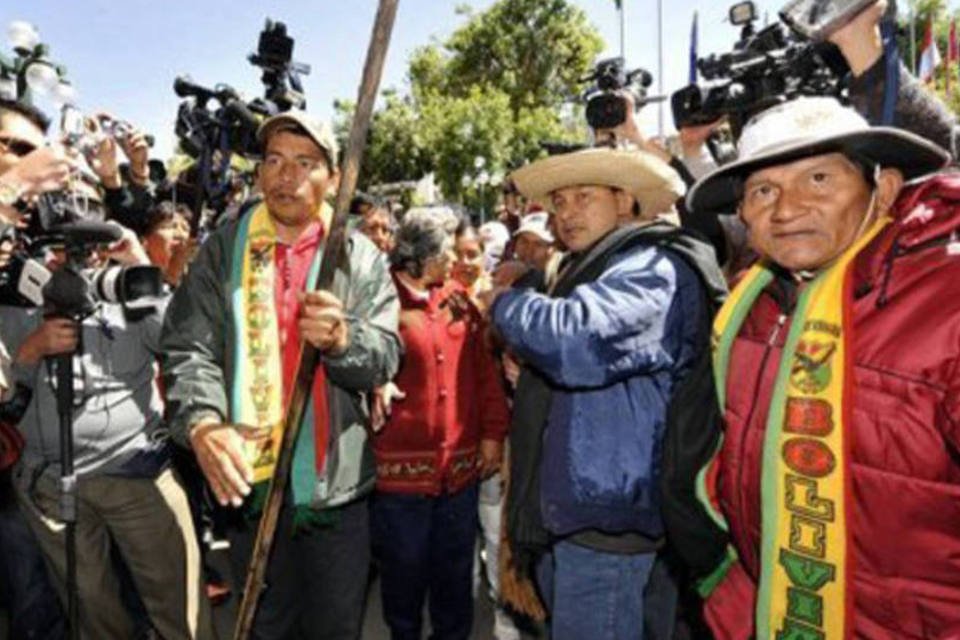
[495, 89]
[536, 51]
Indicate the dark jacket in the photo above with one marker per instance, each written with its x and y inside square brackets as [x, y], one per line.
[602, 354]
[197, 355]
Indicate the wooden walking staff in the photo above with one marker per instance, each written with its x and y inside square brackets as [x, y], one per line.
[333, 254]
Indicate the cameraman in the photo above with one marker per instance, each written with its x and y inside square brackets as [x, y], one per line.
[27, 168]
[127, 494]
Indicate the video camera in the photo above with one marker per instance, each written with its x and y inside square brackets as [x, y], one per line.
[606, 107]
[215, 123]
[765, 68]
[63, 221]
[232, 125]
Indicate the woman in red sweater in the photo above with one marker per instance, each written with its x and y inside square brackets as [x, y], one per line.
[444, 433]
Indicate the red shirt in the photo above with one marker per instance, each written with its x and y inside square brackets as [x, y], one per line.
[292, 266]
[454, 398]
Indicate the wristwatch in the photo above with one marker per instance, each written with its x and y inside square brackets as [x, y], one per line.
[9, 194]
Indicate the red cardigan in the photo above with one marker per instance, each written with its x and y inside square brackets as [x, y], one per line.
[454, 398]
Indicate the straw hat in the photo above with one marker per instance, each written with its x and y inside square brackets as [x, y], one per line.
[654, 184]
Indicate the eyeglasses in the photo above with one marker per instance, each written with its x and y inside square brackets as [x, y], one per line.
[17, 147]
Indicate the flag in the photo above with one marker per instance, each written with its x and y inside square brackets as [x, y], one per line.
[953, 53]
[930, 55]
[693, 50]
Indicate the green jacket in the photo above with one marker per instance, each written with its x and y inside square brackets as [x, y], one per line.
[197, 360]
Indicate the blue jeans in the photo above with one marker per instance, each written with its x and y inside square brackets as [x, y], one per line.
[425, 546]
[592, 594]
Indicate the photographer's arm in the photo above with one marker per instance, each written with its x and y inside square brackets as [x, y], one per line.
[917, 110]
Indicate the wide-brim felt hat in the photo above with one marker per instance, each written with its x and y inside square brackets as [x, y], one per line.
[808, 127]
[654, 184]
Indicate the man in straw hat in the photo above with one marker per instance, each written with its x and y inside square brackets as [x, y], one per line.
[602, 350]
[838, 369]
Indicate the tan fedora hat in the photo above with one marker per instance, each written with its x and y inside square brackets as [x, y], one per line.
[654, 184]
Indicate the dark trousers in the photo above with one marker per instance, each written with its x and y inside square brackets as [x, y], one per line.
[316, 579]
[425, 547]
[25, 586]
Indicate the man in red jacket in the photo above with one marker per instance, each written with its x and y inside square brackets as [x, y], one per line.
[837, 361]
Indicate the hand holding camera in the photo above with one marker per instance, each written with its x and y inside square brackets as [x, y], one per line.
[41, 170]
[860, 40]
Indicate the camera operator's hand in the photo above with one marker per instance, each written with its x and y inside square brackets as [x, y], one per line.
[860, 41]
[219, 451]
[53, 337]
[323, 323]
[693, 138]
[41, 170]
[137, 150]
[629, 131]
[6, 252]
[104, 163]
[128, 250]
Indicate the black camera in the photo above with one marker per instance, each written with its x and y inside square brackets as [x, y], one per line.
[766, 68]
[215, 123]
[281, 75]
[72, 290]
[606, 107]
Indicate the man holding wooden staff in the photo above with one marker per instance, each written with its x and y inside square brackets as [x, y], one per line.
[232, 344]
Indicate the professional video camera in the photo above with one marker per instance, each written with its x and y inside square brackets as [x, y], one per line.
[766, 67]
[606, 107]
[62, 221]
[215, 123]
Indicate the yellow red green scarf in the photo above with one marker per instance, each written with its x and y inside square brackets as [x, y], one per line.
[257, 395]
[804, 589]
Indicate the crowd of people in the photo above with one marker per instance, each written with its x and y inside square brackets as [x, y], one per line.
[659, 397]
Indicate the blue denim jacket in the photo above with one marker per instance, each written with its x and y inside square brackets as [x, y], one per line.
[612, 351]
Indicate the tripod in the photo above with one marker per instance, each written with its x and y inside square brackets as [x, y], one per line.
[63, 364]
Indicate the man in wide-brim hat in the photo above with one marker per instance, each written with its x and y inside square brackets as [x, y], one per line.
[601, 352]
[837, 362]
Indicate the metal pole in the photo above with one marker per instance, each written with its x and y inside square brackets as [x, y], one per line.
[660, 66]
[913, 39]
[623, 32]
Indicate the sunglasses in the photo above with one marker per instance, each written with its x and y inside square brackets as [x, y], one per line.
[17, 147]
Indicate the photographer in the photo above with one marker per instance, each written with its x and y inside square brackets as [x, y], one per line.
[127, 495]
[27, 166]
[128, 201]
